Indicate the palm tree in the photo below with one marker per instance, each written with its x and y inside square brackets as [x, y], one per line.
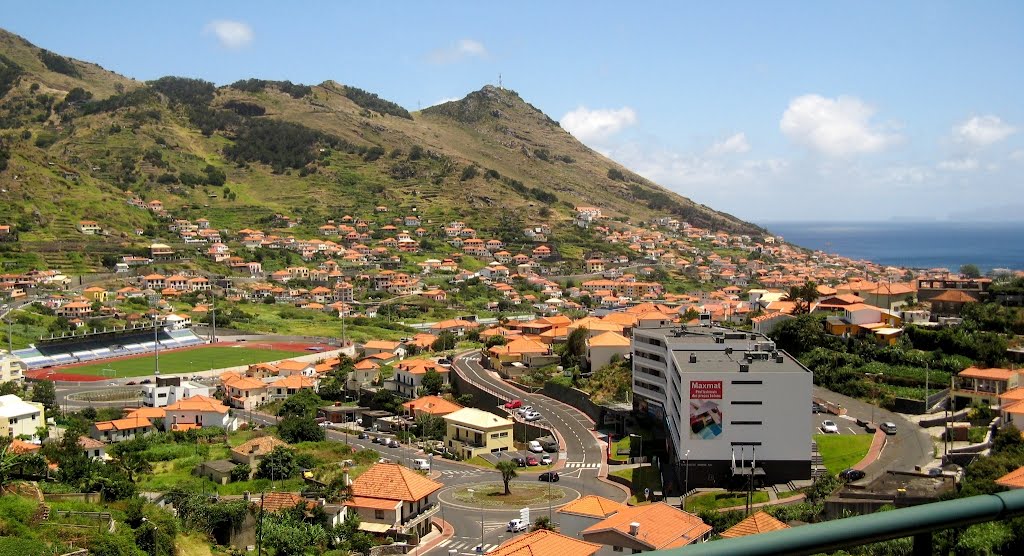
[133, 464]
[802, 296]
[508, 472]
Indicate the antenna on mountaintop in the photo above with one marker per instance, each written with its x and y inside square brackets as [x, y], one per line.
[499, 82]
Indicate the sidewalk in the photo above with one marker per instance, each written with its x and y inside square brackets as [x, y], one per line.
[435, 536]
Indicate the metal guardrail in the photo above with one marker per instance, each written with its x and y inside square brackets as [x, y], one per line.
[918, 522]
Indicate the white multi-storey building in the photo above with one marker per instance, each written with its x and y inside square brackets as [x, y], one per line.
[732, 404]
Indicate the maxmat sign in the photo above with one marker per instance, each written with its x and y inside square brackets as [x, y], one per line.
[705, 389]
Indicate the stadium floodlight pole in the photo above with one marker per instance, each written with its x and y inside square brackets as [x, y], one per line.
[213, 313]
[156, 344]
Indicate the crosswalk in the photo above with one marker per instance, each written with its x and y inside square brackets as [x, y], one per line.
[582, 465]
[461, 472]
[465, 546]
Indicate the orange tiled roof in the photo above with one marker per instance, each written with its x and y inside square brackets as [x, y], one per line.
[277, 501]
[760, 522]
[661, 525]
[955, 296]
[21, 447]
[392, 481]
[198, 403]
[294, 381]
[1013, 479]
[434, 405]
[124, 424]
[592, 505]
[89, 443]
[609, 339]
[292, 365]
[372, 503]
[263, 445]
[545, 543]
[987, 374]
[148, 413]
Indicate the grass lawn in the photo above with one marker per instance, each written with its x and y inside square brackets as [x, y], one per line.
[188, 361]
[522, 494]
[839, 451]
[715, 500]
[640, 478]
[191, 544]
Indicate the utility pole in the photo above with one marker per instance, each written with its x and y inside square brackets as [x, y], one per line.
[213, 315]
[156, 344]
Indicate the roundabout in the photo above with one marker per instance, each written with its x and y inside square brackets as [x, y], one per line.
[491, 496]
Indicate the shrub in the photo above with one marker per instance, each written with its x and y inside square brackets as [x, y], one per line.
[58, 63]
[373, 102]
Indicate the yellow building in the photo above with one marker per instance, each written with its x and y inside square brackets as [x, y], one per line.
[471, 432]
[11, 367]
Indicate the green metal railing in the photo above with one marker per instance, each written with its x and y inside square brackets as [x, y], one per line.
[917, 521]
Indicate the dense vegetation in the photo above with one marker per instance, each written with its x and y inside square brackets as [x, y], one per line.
[370, 101]
[245, 108]
[278, 144]
[58, 63]
[258, 85]
[10, 72]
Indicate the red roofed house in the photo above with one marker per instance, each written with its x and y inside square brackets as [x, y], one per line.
[545, 543]
[973, 385]
[199, 412]
[121, 429]
[245, 393]
[284, 387]
[392, 500]
[656, 526]
[755, 524]
[580, 514]
[409, 375]
[430, 405]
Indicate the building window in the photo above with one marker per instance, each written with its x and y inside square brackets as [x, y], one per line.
[616, 549]
[378, 514]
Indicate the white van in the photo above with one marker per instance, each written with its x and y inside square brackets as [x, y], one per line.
[535, 447]
[421, 465]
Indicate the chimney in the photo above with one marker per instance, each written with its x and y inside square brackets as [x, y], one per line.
[634, 528]
[778, 359]
[693, 358]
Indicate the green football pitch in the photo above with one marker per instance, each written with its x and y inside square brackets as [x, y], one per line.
[182, 362]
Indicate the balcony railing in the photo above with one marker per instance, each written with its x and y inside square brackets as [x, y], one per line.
[424, 514]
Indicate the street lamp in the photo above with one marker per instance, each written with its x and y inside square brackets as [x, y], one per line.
[550, 478]
[686, 480]
[479, 548]
[874, 393]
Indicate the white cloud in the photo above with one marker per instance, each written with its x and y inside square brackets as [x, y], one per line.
[959, 164]
[461, 50]
[836, 127]
[982, 131]
[589, 125]
[735, 144]
[230, 34]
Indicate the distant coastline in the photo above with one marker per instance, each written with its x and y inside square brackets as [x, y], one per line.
[913, 244]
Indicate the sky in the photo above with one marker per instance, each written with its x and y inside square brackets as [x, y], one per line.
[772, 111]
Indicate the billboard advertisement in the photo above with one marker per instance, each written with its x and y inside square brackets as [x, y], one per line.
[705, 409]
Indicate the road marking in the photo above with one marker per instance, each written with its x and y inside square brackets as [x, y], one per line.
[583, 465]
[851, 430]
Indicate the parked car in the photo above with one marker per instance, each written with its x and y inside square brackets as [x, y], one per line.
[146, 381]
[545, 460]
[850, 475]
[380, 440]
[532, 461]
[520, 461]
[421, 465]
[523, 410]
[444, 361]
[393, 443]
[548, 476]
[532, 416]
[517, 525]
[131, 383]
[363, 436]
[535, 447]
[830, 427]
[383, 460]
[514, 404]
[888, 427]
[816, 407]
[551, 447]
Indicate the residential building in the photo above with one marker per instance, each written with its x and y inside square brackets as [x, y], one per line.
[929, 288]
[199, 412]
[727, 398]
[603, 347]
[755, 524]
[245, 393]
[394, 500]
[951, 303]
[582, 513]
[89, 227]
[11, 367]
[169, 390]
[471, 432]
[1012, 480]
[656, 526]
[374, 347]
[973, 385]
[93, 448]
[430, 405]
[519, 355]
[543, 542]
[254, 450]
[20, 418]
[409, 375]
[121, 429]
[284, 387]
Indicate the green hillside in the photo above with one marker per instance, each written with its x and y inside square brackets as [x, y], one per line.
[77, 141]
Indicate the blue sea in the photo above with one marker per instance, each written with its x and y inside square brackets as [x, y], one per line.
[913, 244]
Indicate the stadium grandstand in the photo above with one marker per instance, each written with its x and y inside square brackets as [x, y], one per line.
[106, 344]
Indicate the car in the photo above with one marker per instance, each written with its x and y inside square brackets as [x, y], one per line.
[520, 461]
[551, 447]
[830, 427]
[532, 461]
[888, 427]
[545, 460]
[514, 404]
[113, 384]
[131, 383]
[393, 443]
[816, 407]
[532, 416]
[534, 446]
[146, 381]
[383, 460]
[363, 436]
[523, 410]
[548, 476]
[444, 361]
[379, 440]
[421, 465]
[517, 525]
[850, 475]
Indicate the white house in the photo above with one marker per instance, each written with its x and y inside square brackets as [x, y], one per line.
[18, 417]
[200, 412]
[163, 394]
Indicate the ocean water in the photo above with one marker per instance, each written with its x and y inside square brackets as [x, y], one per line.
[913, 244]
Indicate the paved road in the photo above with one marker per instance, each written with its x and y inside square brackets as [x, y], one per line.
[910, 446]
